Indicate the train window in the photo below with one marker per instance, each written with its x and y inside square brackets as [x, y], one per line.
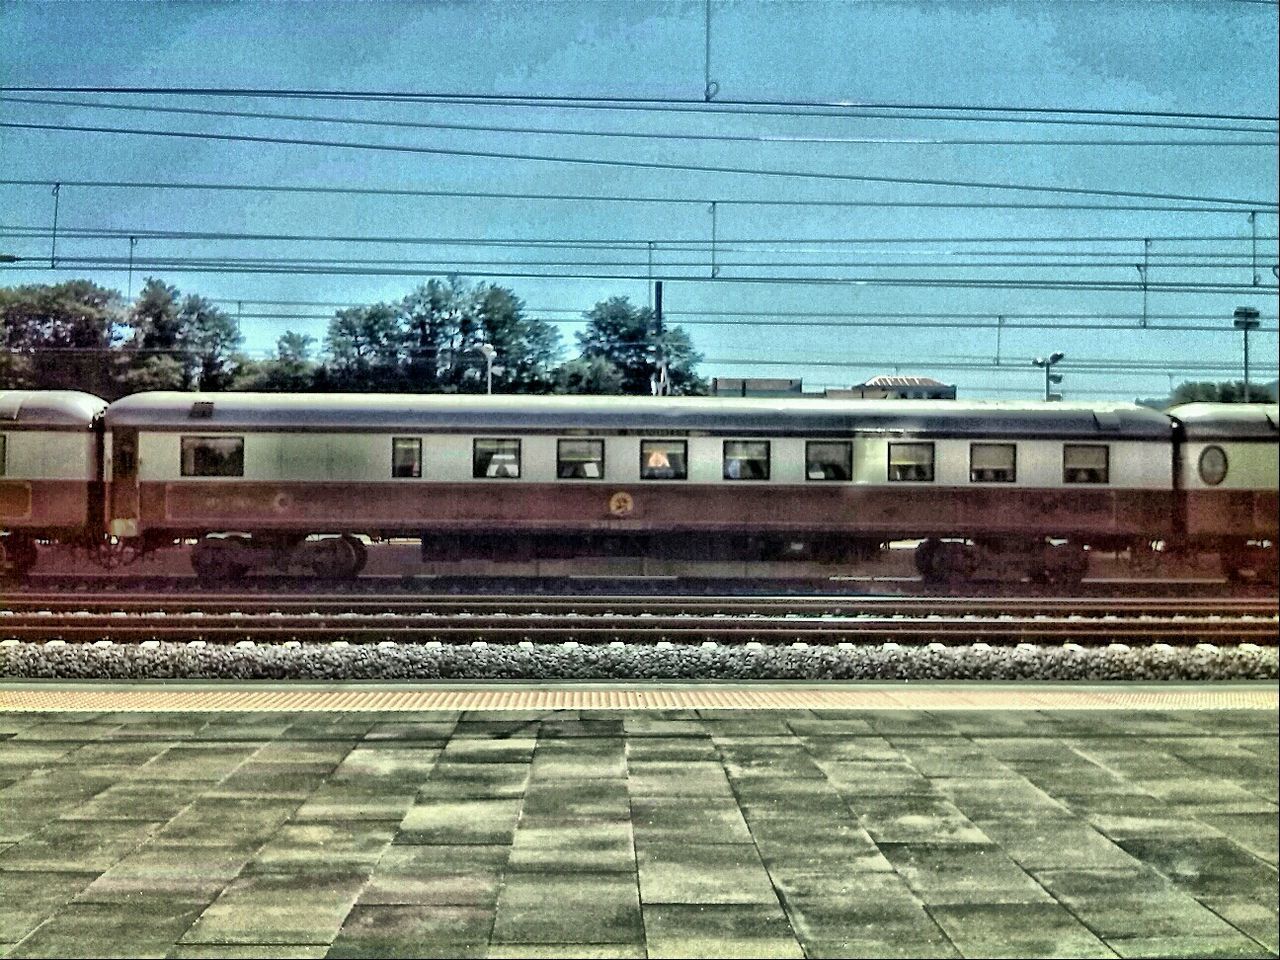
[1213, 465]
[993, 462]
[664, 460]
[1086, 463]
[580, 459]
[496, 459]
[213, 456]
[746, 459]
[911, 462]
[828, 460]
[406, 457]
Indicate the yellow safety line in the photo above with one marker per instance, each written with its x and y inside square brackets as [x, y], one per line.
[54, 698]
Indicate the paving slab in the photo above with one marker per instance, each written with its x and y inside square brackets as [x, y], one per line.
[719, 930]
[588, 908]
[605, 833]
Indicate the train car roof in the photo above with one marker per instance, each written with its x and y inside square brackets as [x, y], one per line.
[49, 408]
[1229, 421]
[719, 415]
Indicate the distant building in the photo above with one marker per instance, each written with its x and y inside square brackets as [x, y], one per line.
[896, 388]
[877, 388]
[755, 387]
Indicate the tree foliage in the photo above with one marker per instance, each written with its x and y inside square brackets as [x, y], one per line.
[629, 338]
[59, 336]
[78, 335]
[1230, 391]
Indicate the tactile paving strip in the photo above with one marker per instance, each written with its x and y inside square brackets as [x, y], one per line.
[68, 698]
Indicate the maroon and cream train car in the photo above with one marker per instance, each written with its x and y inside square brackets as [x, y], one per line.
[50, 463]
[1228, 475]
[512, 478]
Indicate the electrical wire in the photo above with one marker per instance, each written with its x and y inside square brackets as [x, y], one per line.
[784, 139]
[617, 243]
[1245, 204]
[638, 198]
[848, 108]
[232, 266]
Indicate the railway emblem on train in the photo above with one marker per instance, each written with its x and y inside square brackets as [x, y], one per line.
[621, 504]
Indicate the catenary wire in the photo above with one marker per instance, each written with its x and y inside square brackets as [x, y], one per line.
[841, 107]
[785, 139]
[1245, 204]
[638, 198]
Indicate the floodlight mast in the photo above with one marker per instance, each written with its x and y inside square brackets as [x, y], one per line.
[1246, 319]
[1050, 378]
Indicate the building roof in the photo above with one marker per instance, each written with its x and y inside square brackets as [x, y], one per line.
[726, 416]
[49, 408]
[896, 381]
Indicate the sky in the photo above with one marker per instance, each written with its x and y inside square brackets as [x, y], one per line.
[826, 268]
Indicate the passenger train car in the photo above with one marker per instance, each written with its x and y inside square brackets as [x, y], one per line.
[1011, 490]
[50, 471]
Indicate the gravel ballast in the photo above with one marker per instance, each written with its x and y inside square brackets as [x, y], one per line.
[695, 662]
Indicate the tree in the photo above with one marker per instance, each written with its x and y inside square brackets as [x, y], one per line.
[291, 371]
[1231, 391]
[432, 317]
[594, 375]
[209, 339]
[59, 337]
[526, 349]
[363, 346]
[628, 337]
[155, 363]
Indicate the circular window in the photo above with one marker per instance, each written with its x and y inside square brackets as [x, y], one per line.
[1213, 465]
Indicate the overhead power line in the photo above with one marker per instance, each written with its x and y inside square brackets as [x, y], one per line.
[784, 139]
[632, 198]
[1015, 366]
[724, 244]
[995, 113]
[1245, 204]
[668, 263]
[873, 322]
[249, 266]
[989, 315]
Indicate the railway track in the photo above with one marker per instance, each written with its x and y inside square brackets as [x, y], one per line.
[424, 586]
[595, 620]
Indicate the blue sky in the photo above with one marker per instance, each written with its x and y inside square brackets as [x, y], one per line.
[1190, 57]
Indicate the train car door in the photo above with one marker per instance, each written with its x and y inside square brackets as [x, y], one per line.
[124, 482]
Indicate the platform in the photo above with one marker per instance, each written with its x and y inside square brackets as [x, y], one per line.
[918, 820]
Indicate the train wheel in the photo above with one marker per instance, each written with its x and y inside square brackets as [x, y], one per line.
[217, 561]
[1065, 564]
[335, 558]
[19, 554]
[924, 558]
[362, 553]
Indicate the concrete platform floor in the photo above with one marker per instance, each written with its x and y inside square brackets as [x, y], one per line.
[682, 833]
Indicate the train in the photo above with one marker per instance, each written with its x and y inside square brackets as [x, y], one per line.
[1010, 490]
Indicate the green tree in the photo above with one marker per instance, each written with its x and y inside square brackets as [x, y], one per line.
[210, 340]
[155, 361]
[594, 375]
[291, 370]
[363, 348]
[1230, 391]
[628, 337]
[59, 337]
[526, 349]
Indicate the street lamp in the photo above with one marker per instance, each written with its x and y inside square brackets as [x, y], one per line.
[1246, 319]
[489, 353]
[1049, 378]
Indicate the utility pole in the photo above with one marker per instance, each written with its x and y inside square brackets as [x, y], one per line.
[659, 385]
